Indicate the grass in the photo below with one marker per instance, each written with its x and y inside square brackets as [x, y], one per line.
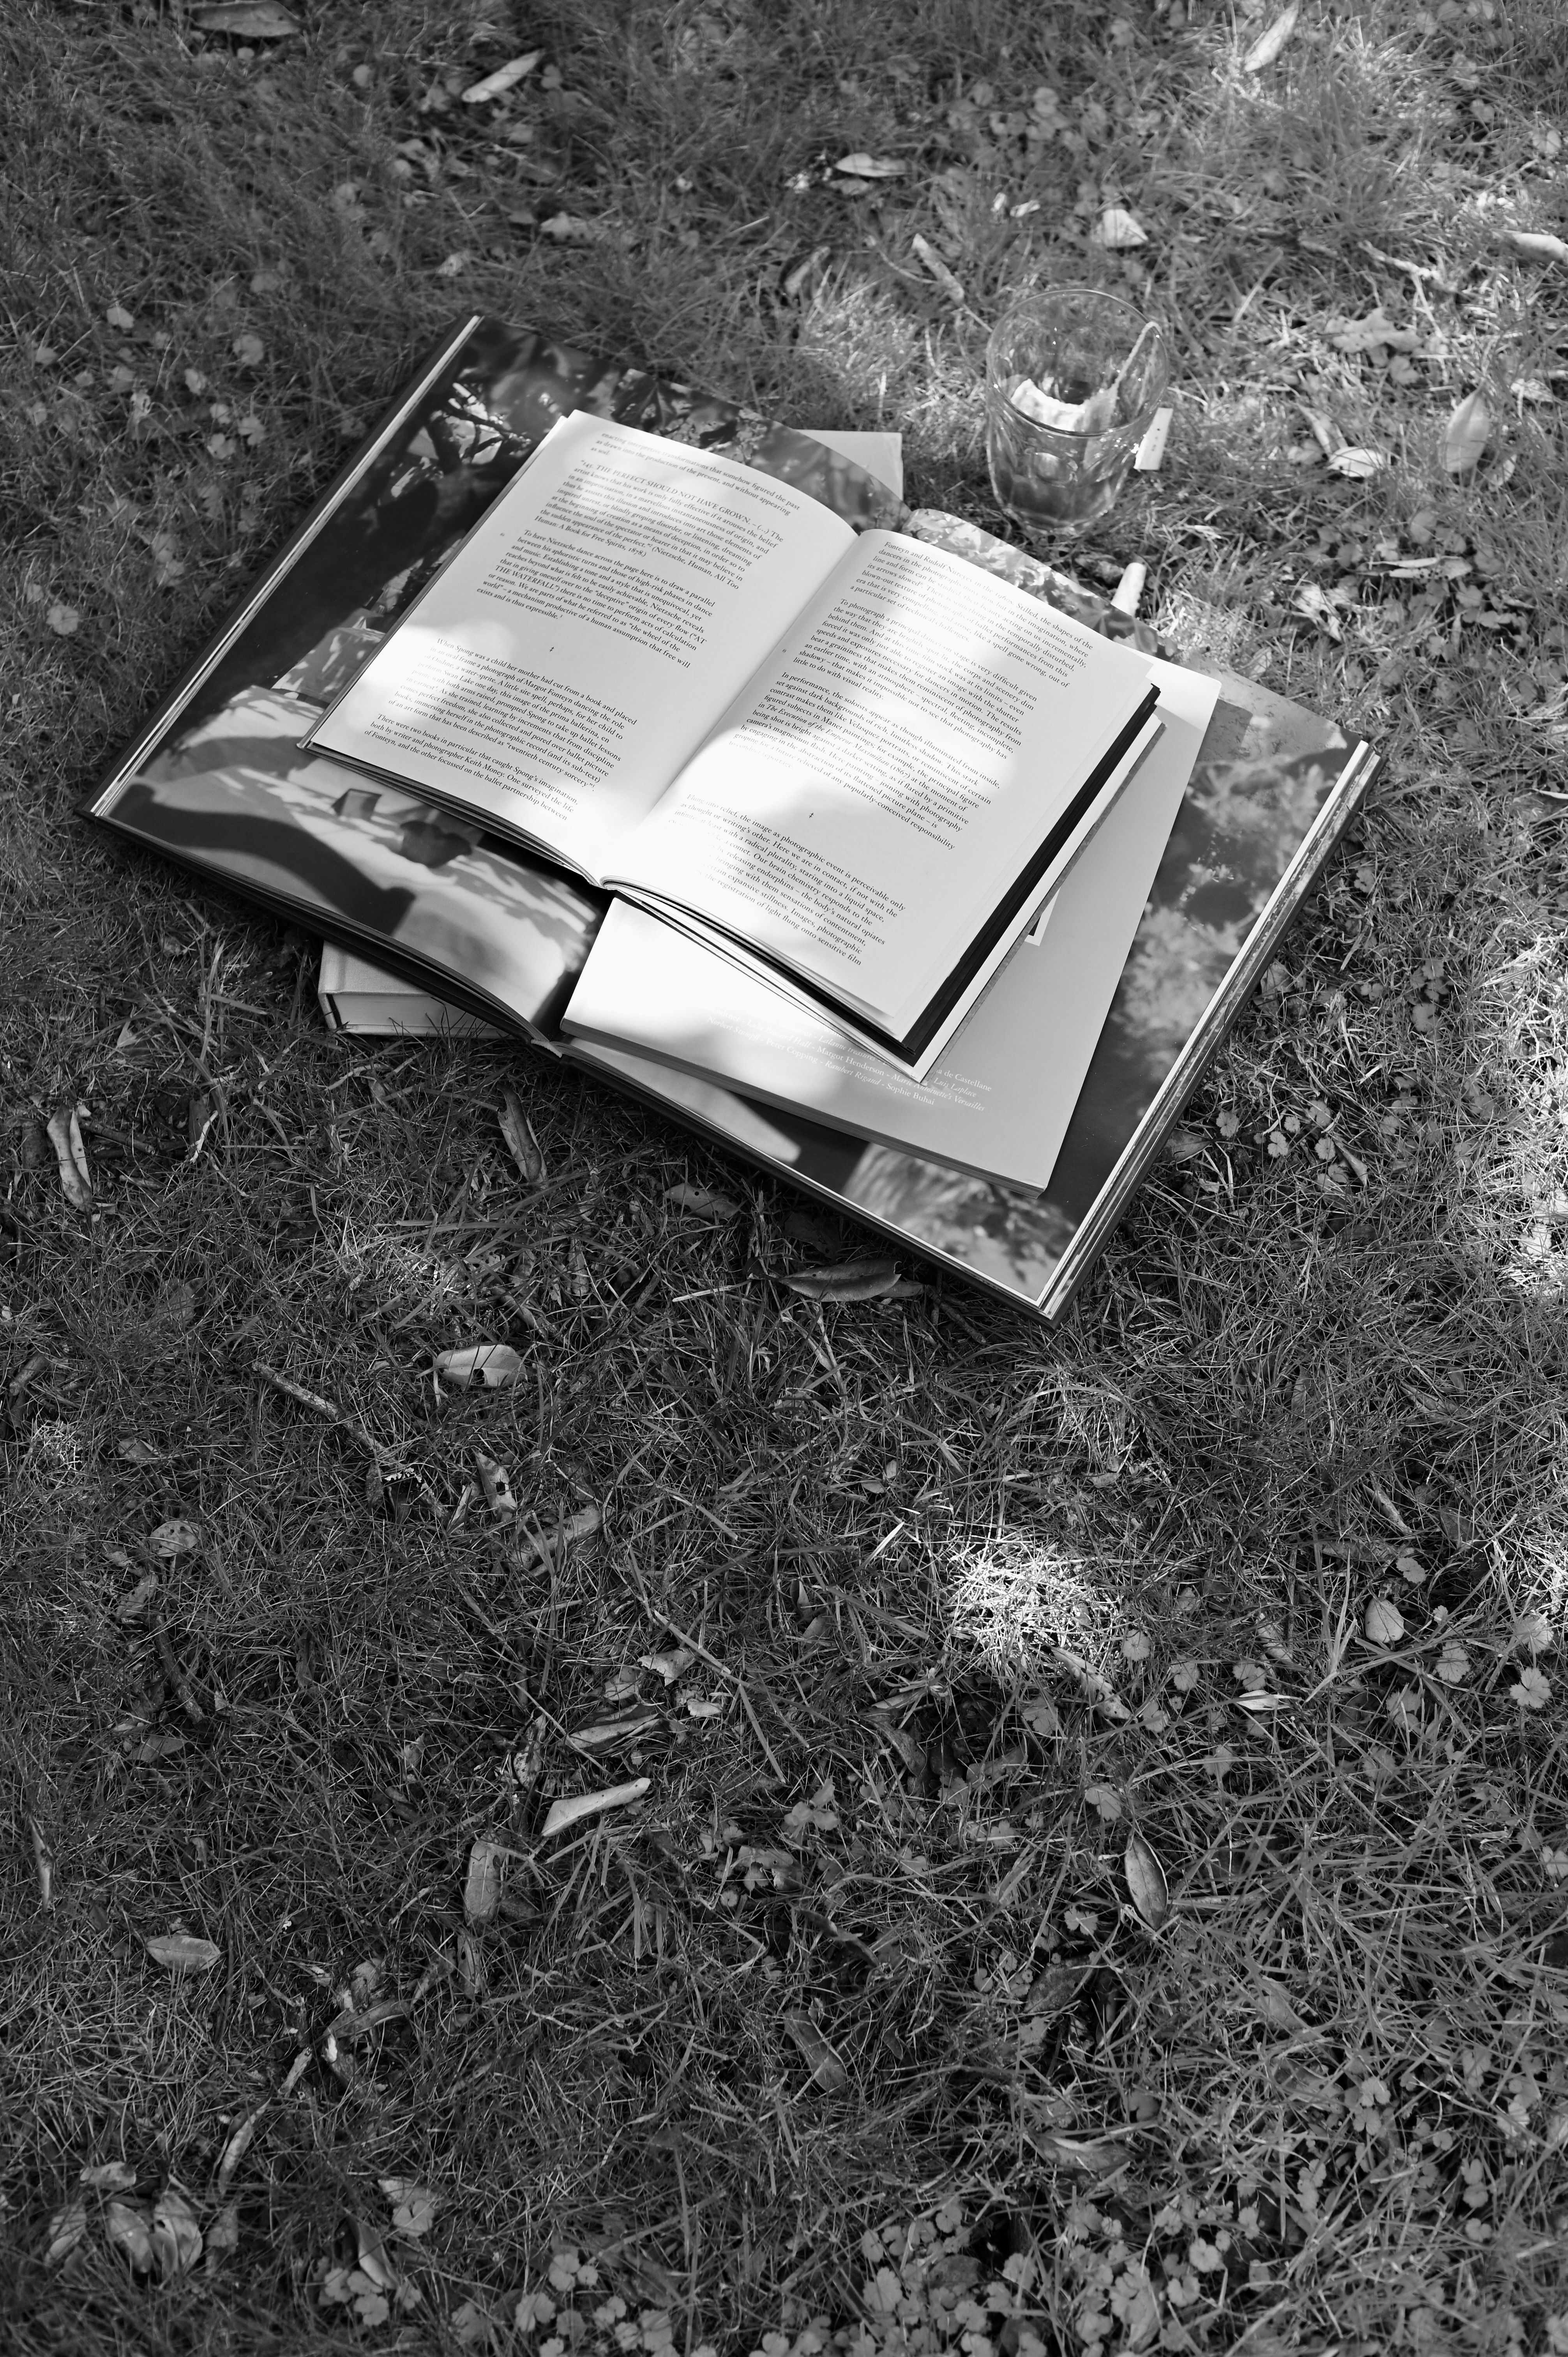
[850, 2032]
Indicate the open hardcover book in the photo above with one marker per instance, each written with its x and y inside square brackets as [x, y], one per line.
[1013, 1161]
[852, 761]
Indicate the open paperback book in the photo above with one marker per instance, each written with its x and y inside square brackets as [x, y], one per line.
[461, 916]
[850, 761]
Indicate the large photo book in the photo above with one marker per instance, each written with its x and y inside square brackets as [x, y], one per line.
[988, 1092]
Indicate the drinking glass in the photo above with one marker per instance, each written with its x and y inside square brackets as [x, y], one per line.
[1072, 378]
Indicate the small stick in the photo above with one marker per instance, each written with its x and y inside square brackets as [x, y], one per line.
[324, 1408]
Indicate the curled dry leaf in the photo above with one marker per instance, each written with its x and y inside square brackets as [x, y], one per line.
[179, 1955]
[1147, 1884]
[606, 1733]
[175, 1538]
[854, 1280]
[493, 1366]
[176, 2237]
[1385, 1622]
[64, 1128]
[565, 1814]
[1359, 464]
[109, 2177]
[861, 166]
[824, 2066]
[580, 1525]
[669, 1666]
[482, 1890]
[67, 2228]
[516, 1129]
[1467, 434]
[129, 2233]
[1269, 44]
[1118, 231]
[1537, 244]
[505, 78]
[702, 1200]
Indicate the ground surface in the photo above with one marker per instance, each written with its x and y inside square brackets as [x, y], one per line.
[853, 2025]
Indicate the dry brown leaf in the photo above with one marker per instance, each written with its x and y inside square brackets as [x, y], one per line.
[861, 166]
[108, 2177]
[580, 1525]
[1118, 231]
[129, 2234]
[247, 20]
[1385, 1622]
[1267, 45]
[824, 2066]
[179, 1955]
[493, 1366]
[1537, 244]
[482, 1890]
[565, 1814]
[687, 1198]
[505, 78]
[855, 1280]
[1147, 1883]
[67, 2228]
[176, 2237]
[175, 1538]
[521, 1142]
[64, 1128]
[1467, 434]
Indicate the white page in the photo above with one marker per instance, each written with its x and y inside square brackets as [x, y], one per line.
[886, 774]
[588, 634]
[999, 1099]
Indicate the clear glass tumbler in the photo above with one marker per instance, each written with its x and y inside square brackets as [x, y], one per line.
[1072, 378]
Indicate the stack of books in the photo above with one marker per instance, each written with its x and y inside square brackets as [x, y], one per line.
[588, 711]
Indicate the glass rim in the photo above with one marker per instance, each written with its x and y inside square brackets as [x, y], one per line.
[1033, 296]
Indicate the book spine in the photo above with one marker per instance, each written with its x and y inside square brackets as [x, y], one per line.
[1205, 1042]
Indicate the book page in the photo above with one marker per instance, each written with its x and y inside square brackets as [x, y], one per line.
[886, 774]
[587, 635]
[999, 1098]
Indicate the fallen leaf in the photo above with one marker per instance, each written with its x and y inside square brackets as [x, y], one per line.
[1537, 244]
[1259, 1705]
[65, 621]
[605, 1733]
[869, 167]
[1357, 464]
[1269, 44]
[1314, 605]
[455, 264]
[247, 20]
[1467, 433]
[1117, 231]
[1106, 1800]
[129, 2233]
[176, 2237]
[927, 253]
[686, 1197]
[65, 1136]
[1452, 1664]
[1385, 1622]
[854, 1280]
[132, 1607]
[824, 2066]
[1057, 1987]
[705, 1706]
[494, 1365]
[414, 2205]
[67, 2228]
[1276, 2006]
[1533, 1691]
[569, 229]
[179, 1955]
[496, 1483]
[249, 350]
[533, 2307]
[175, 1538]
[109, 2177]
[482, 1890]
[564, 1814]
[1533, 1634]
[505, 78]
[580, 1525]
[669, 1666]
[521, 1142]
[118, 317]
[1147, 1883]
